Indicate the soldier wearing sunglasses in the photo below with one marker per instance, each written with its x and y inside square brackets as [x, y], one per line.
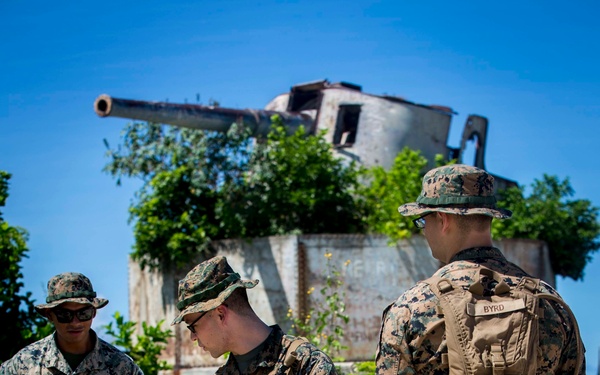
[74, 348]
[214, 306]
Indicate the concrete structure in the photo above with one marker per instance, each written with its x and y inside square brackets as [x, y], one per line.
[375, 273]
[370, 129]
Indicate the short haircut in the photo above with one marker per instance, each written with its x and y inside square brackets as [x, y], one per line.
[238, 301]
[478, 223]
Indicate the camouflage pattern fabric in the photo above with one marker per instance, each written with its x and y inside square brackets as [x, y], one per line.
[412, 336]
[70, 287]
[456, 189]
[207, 286]
[44, 358]
[270, 360]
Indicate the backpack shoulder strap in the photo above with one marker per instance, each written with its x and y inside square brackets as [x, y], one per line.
[291, 356]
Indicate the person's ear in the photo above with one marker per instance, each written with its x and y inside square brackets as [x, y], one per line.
[222, 312]
[445, 220]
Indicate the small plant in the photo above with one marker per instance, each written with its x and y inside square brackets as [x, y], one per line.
[324, 324]
[147, 347]
[364, 368]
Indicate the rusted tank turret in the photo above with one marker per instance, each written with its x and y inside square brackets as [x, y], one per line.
[370, 129]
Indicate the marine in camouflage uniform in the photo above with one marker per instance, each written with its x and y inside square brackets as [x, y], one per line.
[412, 336]
[214, 305]
[74, 348]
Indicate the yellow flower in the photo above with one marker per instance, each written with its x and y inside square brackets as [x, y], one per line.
[310, 290]
[347, 262]
[328, 255]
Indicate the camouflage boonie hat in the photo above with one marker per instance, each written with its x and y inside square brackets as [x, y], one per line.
[456, 189]
[70, 287]
[207, 286]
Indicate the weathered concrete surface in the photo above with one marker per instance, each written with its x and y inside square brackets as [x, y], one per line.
[386, 124]
[370, 129]
[374, 275]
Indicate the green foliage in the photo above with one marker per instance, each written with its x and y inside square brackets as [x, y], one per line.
[388, 189]
[144, 349]
[203, 186]
[569, 227]
[174, 219]
[22, 325]
[365, 368]
[324, 324]
[294, 184]
[149, 149]
[184, 172]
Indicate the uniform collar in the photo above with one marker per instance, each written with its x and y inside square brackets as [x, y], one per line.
[267, 358]
[55, 359]
[475, 253]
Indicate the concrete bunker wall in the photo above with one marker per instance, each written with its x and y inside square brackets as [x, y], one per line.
[374, 274]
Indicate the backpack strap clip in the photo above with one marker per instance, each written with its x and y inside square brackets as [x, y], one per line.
[497, 358]
[291, 356]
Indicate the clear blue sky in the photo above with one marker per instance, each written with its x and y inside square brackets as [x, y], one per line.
[530, 67]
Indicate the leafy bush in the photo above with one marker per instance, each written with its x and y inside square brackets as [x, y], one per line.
[293, 184]
[385, 190]
[205, 186]
[22, 325]
[144, 349]
[201, 188]
[569, 227]
[364, 368]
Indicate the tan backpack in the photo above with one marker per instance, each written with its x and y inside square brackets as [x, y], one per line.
[495, 333]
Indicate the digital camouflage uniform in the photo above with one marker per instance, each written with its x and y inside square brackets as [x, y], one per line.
[412, 336]
[44, 358]
[270, 360]
[208, 285]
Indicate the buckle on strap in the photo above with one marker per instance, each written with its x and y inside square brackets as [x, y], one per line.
[497, 359]
[445, 286]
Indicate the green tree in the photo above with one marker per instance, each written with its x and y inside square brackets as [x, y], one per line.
[21, 323]
[569, 227]
[144, 349]
[183, 172]
[205, 186]
[385, 190]
[293, 184]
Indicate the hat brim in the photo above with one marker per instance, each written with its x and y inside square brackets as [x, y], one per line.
[214, 303]
[98, 303]
[414, 209]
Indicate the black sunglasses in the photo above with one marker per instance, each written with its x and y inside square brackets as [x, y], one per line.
[192, 324]
[420, 221]
[66, 316]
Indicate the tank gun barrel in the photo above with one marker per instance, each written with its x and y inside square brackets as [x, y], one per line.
[197, 116]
